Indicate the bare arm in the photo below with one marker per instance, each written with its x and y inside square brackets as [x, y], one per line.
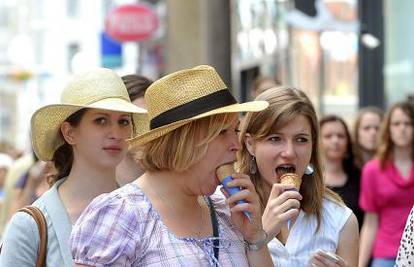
[368, 234]
[349, 241]
[346, 254]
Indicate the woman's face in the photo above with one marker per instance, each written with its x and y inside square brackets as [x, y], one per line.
[99, 139]
[368, 131]
[221, 150]
[288, 148]
[333, 140]
[401, 129]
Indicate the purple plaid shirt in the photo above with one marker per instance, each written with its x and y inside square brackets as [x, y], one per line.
[123, 229]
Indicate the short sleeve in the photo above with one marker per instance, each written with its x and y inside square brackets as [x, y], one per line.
[20, 242]
[105, 233]
[368, 198]
[406, 251]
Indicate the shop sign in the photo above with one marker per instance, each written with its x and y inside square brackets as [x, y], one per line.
[131, 22]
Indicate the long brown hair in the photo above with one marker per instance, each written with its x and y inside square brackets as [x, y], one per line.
[349, 162]
[286, 103]
[386, 145]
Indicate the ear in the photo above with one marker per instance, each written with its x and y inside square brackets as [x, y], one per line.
[250, 144]
[67, 131]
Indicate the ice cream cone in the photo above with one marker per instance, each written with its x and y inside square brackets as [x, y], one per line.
[291, 178]
[224, 171]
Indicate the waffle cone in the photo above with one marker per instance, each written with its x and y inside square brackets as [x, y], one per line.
[291, 178]
[224, 171]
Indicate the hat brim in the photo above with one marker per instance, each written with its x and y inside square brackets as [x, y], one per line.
[46, 122]
[142, 139]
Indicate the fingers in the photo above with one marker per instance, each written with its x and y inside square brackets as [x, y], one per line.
[278, 189]
[322, 258]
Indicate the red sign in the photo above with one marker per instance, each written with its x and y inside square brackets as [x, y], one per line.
[133, 22]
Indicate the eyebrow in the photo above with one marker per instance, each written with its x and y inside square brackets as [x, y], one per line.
[107, 114]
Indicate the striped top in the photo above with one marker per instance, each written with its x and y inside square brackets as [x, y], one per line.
[303, 242]
[122, 228]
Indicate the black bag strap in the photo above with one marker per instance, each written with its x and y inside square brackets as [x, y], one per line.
[214, 222]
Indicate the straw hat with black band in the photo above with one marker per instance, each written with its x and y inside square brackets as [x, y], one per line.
[98, 89]
[187, 95]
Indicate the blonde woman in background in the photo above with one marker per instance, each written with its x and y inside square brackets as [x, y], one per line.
[365, 132]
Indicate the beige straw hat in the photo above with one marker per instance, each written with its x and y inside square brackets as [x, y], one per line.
[99, 89]
[187, 95]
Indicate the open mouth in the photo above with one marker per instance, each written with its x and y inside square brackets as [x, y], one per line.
[285, 168]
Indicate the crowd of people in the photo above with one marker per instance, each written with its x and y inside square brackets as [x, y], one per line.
[124, 172]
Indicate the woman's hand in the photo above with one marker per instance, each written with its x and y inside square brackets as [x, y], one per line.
[252, 231]
[283, 204]
[327, 259]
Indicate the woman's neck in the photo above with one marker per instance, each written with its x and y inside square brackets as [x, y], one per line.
[169, 185]
[334, 173]
[82, 185]
[402, 153]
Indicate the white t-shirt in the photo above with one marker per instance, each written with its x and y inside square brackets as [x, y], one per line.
[303, 242]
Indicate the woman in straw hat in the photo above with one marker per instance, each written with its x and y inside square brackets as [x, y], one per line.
[170, 216]
[85, 137]
[301, 217]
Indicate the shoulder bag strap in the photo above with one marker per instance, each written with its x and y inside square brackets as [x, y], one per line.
[214, 222]
[38, 216]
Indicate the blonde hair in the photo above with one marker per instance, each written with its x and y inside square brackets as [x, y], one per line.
[184, 146]
[286, 103]
[359, 150]
[385, 145]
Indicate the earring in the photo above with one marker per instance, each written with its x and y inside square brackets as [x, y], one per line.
[309, 169]
[253, 166]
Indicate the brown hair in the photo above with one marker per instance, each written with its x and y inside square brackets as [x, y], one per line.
[285, 103]
[63, 156]
[136, 85]
[357, 147]
[385, 146]
[348, 162]
[184, 146]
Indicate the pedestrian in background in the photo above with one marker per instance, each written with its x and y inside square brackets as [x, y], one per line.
[170, 216]
[129, 168]
[84, 136]
[340, 171]
[284, 138]
[16, 170]
[262, 83]
[365, 132]
[387, 188]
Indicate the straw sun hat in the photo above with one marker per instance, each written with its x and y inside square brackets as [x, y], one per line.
[99, 89]
[185, 96]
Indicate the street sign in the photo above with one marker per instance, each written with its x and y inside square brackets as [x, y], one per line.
[131, 22]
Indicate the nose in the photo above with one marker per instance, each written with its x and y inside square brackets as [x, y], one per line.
[234, 143]
[116, 132]
[288, 150]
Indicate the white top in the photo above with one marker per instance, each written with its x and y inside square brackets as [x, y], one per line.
[303, 242]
